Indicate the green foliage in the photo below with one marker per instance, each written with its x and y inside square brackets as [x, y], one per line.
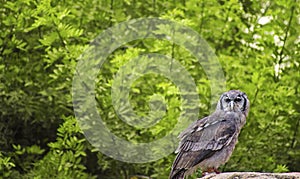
[65, 156]
[257, 43]
[6, 166]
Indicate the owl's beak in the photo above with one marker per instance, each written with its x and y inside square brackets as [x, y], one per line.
[231, 105]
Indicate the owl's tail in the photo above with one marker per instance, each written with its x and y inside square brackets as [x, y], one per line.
[177, 174]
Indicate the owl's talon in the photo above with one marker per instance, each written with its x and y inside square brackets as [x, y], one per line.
[210, 171]
[216, 171]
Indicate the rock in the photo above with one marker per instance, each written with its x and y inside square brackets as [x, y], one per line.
[253, 175]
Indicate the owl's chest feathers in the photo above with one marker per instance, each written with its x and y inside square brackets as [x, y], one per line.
[222, 156]
[237, 117]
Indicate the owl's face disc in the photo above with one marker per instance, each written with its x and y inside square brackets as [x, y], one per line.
[233, 100]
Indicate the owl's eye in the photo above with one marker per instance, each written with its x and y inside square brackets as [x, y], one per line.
[227, 100]
[238, 99]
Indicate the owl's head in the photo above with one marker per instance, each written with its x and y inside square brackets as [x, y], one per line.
[234, 100]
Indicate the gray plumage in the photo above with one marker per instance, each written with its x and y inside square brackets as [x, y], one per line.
[209, 142]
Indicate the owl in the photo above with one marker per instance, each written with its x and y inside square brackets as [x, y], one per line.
[209, 142]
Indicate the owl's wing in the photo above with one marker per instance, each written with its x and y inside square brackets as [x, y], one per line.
[202, 140]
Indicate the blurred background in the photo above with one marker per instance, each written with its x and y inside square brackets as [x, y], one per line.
[257, 44]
